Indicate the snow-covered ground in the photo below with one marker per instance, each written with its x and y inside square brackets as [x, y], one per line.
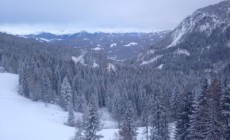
[97, 49]
[23, 119]
[113, 45]
[80, 58]
[151, 60]
[182, 51]
[131, 44]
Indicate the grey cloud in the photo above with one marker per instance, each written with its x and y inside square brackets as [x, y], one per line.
[92, 14]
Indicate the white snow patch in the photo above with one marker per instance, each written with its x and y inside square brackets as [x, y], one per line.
[80, 58]
[151, 60]
[182, 51]
[113, 45]
[115, 58]
[95, 65]
[151, 51]
[43, 39]
[98, 45]
[172, 130]
[112, 134]
[97, 49]
[204, 27]
[131, 44]
[177, 35]
[140, 56]
[109, 134]
[107, 122]
[160, 66]
[23, 119]
[111, 67]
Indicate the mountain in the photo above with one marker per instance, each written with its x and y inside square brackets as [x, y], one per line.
[16, 50]
[117, 46]
[199, 42]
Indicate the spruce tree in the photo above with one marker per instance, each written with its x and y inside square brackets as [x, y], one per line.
[159, 121]
[182, 125]
[128, 128]
[91, 123]
[79, 127]
[205, 121]
[71, 118]
[213, 122]
[225, 109]
[66, 94]
[24, 87]
[47, 92]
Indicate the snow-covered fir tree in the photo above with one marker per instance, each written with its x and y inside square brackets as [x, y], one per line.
[128, 129]
[47, 92]
[66, 94]
[71, 116]
[184, 113]
[159, 120]
[225, 109]
[91, 123]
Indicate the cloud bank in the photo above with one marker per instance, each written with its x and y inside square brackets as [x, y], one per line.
[61, 16]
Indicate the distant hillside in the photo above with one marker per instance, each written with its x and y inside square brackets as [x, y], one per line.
[117, 46]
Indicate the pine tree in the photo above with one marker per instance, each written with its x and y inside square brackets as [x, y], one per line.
[91, 123]
[183, 117]
[225, 109]
[47, 92]
[56, 81]
[145, 116]
[196, 121]
[66, 94]
[71, 118]
[79, 127]
[159, 122]
[80, 103]
[23, 83]
[128, 129]
[205, 121]
[213, 122]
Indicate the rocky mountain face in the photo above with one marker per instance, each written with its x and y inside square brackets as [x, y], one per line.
[199, 42]
[117, 46]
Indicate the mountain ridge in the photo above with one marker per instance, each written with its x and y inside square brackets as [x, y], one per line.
[199, 42]
[117, 46]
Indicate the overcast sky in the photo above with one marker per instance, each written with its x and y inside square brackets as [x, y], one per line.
[64, 16]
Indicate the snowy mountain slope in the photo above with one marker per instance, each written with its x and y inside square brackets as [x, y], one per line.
[23, 119]
[199, 42]
[118, 46]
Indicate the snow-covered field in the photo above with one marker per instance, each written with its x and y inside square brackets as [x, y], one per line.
[23, 119]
